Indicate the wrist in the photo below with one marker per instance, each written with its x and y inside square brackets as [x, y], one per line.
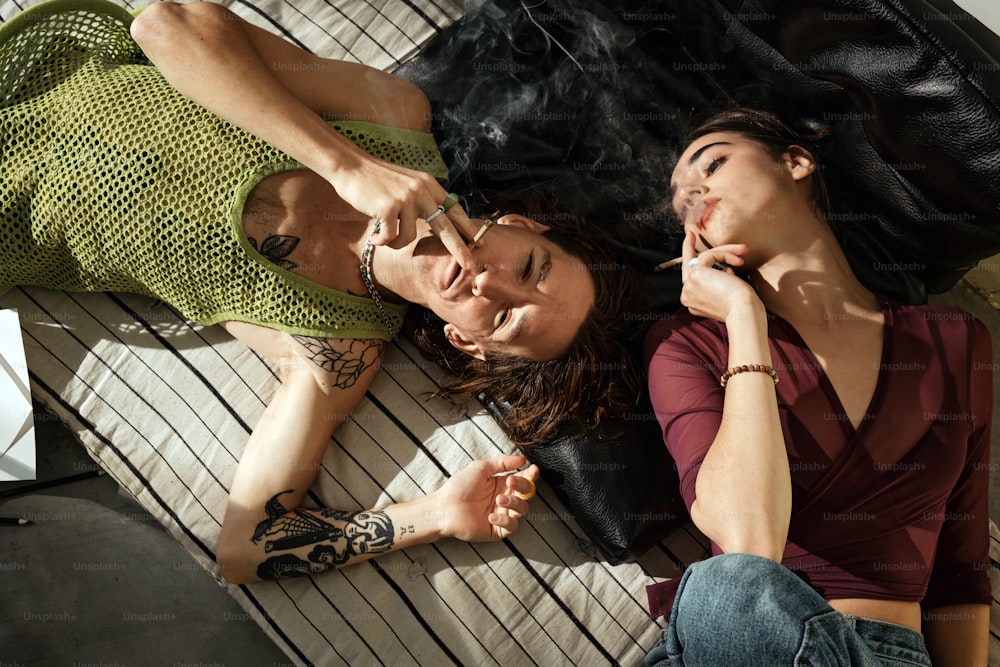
[429, 512]
[748, 311]
[339, 158]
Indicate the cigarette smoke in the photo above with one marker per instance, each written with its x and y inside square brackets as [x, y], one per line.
[555, 97]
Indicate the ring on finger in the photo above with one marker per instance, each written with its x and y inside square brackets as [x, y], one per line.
[529, 495]
[693, 262]
[440, 209]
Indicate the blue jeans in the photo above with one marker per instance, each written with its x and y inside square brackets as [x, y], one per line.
[737, 609]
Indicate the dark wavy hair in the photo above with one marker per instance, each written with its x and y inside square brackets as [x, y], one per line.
[596, 378]
[772, 133]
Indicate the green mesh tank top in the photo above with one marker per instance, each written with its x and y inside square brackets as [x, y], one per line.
[112, 181]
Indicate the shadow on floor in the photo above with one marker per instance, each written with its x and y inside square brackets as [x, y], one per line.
[95, 580]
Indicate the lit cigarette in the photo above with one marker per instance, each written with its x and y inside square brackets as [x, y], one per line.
[487, 223]
[666, 265]
[482, 231]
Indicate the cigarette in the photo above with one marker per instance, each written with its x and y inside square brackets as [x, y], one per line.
[487, 223]
[508, 473]
[666, 265]
[482, 231]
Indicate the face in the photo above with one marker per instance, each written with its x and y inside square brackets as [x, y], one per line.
[726, 187]
[528, 298]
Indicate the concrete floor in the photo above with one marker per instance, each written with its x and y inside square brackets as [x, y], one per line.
[97, 581]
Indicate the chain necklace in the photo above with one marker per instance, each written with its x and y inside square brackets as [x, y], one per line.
[366, 276]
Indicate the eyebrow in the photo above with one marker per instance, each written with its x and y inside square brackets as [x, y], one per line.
[694, 158]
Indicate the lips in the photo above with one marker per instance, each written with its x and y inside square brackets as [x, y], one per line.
[452, 273]
[709, 209]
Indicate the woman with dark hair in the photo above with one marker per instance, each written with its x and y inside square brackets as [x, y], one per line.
[831, 443]
[593, 379]
[192, 157]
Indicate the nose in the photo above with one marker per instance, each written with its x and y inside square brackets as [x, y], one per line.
[497, 281]
[689, 196]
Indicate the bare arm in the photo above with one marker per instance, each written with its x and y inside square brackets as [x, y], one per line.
[279, 93]
[958, 635]
[743, 490]
[267, 534]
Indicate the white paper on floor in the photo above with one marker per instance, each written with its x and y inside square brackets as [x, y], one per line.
[17, 427]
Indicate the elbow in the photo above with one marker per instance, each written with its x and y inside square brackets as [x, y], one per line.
[756, 534]
[754, 545]
[235, 562]
[418, 109]
[400, 103]
[160, 27]
[150, 26]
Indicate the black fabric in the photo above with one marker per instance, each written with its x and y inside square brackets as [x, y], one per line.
[585, 101]
[618, 482]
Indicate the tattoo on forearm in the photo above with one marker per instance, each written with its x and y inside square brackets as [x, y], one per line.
[276, 248]
[337, 537]
[346, 361]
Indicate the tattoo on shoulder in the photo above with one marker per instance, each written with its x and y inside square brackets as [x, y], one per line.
[346, 360]
[276, 248]
[336, 537]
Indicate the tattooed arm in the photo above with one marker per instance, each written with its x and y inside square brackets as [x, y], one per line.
[474, 505]
[266, 533]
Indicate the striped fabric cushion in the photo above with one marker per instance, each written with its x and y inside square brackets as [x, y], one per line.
[166, 407]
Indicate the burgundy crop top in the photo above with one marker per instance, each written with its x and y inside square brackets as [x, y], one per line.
[895, 510]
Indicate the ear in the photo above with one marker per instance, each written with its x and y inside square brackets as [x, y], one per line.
[521, 221]
[799, 161]
[463, 343]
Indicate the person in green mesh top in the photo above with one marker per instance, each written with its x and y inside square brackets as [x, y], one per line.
[190, 156]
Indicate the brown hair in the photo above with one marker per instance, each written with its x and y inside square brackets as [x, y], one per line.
[774, 135]
[595, 378]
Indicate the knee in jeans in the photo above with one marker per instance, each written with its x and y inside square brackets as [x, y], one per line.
[735, 574]
[722, 597]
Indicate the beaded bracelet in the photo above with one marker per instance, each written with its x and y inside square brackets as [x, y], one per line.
[748, 368]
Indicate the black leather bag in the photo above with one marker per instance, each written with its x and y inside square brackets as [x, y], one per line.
[618, 481]
[585, 100]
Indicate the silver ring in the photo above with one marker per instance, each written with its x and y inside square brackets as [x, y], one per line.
[439, 211]
[693, 262]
